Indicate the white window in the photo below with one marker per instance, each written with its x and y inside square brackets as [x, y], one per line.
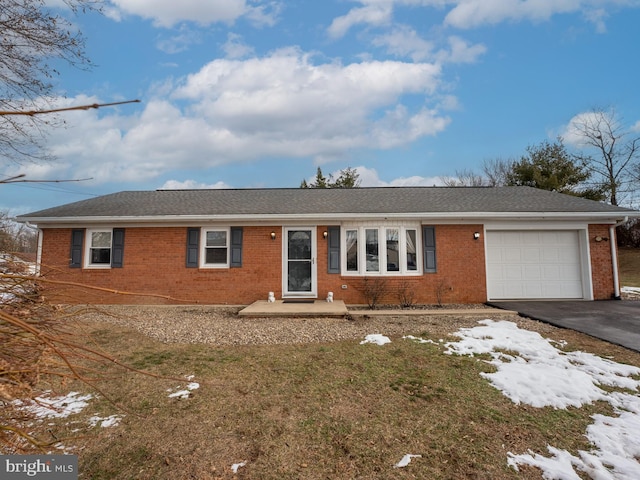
[382, 250]
[215, 246]
[98, 248]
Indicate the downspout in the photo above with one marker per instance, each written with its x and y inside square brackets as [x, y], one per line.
[39, 250]
[614, 257]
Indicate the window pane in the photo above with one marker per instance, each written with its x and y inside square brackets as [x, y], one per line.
[101, 255]
[216, 255]
[371, 245]
[412, 258]
[217, 239]
[101, 239]
[393, 254]
[352, 250]
[299, 276]
[299, 246]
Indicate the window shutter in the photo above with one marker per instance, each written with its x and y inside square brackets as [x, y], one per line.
[429, 243]
[77, 240]
[333, 249]
[117, 248]
[236, 247]
[193, 246]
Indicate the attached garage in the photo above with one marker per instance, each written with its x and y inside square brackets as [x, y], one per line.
[536, 264]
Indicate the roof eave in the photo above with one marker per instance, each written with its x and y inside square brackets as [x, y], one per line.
[332, 217]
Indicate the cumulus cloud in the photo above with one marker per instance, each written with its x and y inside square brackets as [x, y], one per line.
[235, 47]
[166, 13]
[180, 41]
[231, 111]
[369, 178]
[373, 12]
[473, 13]
[192, 185]
[404, 41]
[466, 14]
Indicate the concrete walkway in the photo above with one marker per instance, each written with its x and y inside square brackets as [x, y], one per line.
[337, 308]
[615, 321]
[280, 308]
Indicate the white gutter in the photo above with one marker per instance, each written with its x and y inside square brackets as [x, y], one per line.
[614, 257]
[325, 217]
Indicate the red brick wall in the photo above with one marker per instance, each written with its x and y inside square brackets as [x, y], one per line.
[460, 276]
[601, 265]
[154, 265]
[155, 258]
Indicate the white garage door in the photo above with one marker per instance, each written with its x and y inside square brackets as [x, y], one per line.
[533, 264]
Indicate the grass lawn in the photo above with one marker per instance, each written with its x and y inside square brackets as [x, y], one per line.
[314, 411]
[629, 260]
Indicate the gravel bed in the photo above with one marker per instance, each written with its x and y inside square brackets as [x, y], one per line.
[222, 326]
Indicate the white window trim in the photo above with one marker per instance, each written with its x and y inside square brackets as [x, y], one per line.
[87, 249]
[203, 247]
[382, 250]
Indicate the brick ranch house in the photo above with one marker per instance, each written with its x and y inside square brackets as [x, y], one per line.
[432, 244]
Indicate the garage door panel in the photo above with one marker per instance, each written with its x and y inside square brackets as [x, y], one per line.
[533, 265]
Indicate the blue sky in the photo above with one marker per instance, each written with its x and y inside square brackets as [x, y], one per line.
[252, 93]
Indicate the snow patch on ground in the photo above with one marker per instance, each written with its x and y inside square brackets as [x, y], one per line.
[631, 290]
[376, 338]
[531, 370]
[46, 406]
[406, 460]
[104, 422]
[184, 393]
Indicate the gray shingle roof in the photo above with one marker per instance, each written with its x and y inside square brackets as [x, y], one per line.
[348, 202]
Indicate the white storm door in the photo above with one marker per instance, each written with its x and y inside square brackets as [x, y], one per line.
[300, 266]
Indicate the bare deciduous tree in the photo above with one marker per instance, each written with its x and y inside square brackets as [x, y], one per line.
[616, 151]
[465, 178]
[497, 170]
[33, 35]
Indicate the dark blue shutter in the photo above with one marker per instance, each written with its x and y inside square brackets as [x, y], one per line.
[236, 246]
[117, 248]
[333, 249]
[429, 243]
[77, 240]
[193, 246]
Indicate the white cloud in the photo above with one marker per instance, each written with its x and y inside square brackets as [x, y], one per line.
[369, 178]
[465, 14]
[461, 52]
[235, 111]
[404, 41]
[192, 185]
[235, 48]
[374, 12]
[181, 41]
[166, 13]
[474, 13]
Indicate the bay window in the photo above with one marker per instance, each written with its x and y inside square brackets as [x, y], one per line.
[382, 250]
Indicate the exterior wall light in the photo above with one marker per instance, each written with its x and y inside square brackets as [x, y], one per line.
[273, 235]
[324, 234]
[476, 235]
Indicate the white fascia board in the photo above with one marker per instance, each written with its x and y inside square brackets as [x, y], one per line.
[328, 218]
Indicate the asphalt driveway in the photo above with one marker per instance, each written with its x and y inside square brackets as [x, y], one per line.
[615, 321]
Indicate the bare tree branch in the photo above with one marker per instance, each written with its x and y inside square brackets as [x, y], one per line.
[31, 113]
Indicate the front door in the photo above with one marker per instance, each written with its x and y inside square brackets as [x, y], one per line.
[299, 276]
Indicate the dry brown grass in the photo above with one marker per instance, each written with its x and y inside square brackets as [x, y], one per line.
[314, 411]
[629, 259]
